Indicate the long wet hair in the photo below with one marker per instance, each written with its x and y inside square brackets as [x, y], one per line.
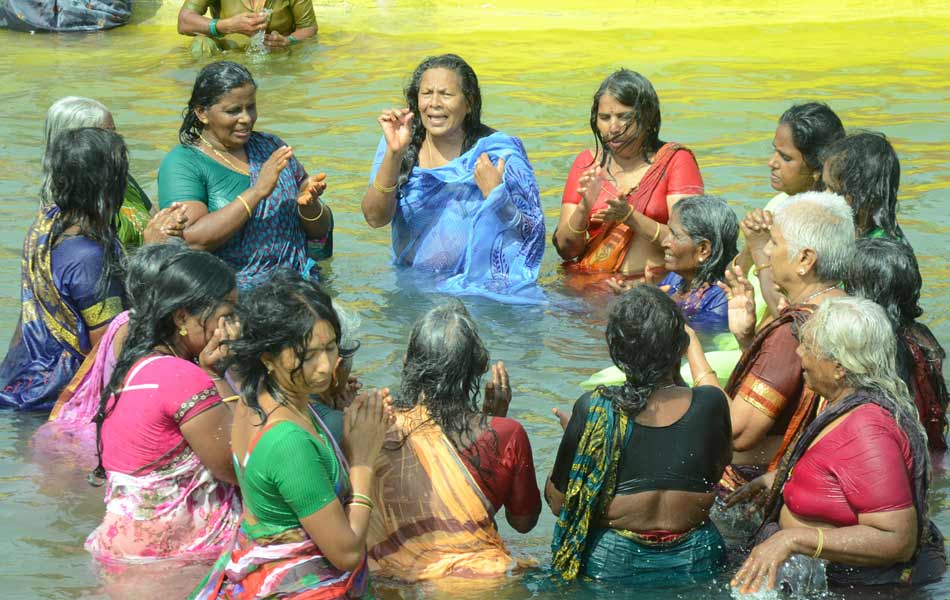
[634, 90]
[646, 337]
[143, 266]
[814, 127]
[71, 112]
[89, 172]
[868, 173]
[278, 314]
[213, 81]
[710, 218]
[190, 280]
[472, 126]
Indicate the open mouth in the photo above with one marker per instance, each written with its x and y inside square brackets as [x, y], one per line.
[437, 119]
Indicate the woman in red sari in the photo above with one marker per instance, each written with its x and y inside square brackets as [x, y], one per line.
[618, 196]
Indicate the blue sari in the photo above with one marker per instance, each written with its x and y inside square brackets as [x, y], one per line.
[60, 303]
[489, 247]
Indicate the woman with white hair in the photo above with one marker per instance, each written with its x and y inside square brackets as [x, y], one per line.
[134, 223]
[858, 494]
[809, 250]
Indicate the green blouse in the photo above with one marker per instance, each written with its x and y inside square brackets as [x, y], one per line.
[133, 216]
[288, 15]
[289, 475]
[188, 174]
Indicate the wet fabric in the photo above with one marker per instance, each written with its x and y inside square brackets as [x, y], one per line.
[284, 562]
[431, 519]
[288, 15]
[64, 15]
[674, 171]
[706, 309]
[693, 558]
[133, 216]
[926, 382]
[489, 247]
[274, 237]
[61, 302]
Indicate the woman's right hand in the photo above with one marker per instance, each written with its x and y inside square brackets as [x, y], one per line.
[756, 228]
[588, 187]
[247, 23]
[741, 308]
[365, 423]
[166, 223]
[756, 492]
[397, 128]
[271, 170]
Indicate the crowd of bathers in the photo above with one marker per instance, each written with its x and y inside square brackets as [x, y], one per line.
[190, 359]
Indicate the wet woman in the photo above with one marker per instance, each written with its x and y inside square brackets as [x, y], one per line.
[71, 286]
[461, 197]
[307, 502]
[636, 470]
[247, 198]
[467, 461]
[853, 489]
[619, 195]
[162, 425]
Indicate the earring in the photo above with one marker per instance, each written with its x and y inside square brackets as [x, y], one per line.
[182, 331]
[802, 272]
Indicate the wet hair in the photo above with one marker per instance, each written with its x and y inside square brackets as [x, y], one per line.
[190, 280]
[143, 266]
[867, 172]
[472, 126]
[276, 315]
[710, 218]
[886, 271]
[814, 126]
[89, 172]
[821, 221]
[71, 112]
[634, 90]
[646, 337]
[213, 82]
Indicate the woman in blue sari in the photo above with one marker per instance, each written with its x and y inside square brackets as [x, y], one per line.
[247, 198]
[461, 197]
[71, 287]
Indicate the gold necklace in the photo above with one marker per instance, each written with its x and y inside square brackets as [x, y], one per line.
[816, 294]
[224, 158]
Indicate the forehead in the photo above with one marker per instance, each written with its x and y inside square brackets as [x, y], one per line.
[321, 334]
[240, 95]
[441, 78]
[609, 104]
[783, 138]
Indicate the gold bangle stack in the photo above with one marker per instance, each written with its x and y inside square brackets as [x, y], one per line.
[247, 206]
[384, 190]
[362, 500]
[313, 219]
[821, 543]
[576, 231]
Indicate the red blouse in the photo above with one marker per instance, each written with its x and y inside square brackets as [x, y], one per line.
[505, 468]
[864, 465]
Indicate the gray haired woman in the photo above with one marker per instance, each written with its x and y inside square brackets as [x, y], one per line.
[858, 494]
[134, 222]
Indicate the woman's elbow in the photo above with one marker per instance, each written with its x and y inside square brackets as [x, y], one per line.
[347, 560]
[523, 524]
[184, 28]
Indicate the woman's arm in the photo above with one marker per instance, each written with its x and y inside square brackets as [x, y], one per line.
[554, 497]
[208, 434]
[210, 230]
[191, 22]
[583, 185]
[379, 201]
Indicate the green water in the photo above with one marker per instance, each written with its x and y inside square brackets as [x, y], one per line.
[722, 88]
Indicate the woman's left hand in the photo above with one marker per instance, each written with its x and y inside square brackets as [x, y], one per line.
[216, 349]
[497, 392]
[763, 563]
[311, 190]
[487, 175]
[741, 297]
[275, 41]
[168, 222]
[618, 209]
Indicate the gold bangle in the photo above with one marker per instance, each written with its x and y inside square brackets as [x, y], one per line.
[362, 497]
[760, 268]
[231, 398]
[705, 373]
[384, 190]
[576, 231]
[316, 218]
[656, 235]
[359, 503]
[247, 207]
[821, 543]
[627, 216]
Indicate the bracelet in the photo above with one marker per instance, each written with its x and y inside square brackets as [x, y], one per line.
[384, 190]
[231, 398]
[760, 268]
[213, 28]
[821, 543]
[627, 216]
[576, 231]
[292, 39]
[316, 218]
[362, 497]
[247, 206]
[705, 373]
[656, 235]
[358, 503]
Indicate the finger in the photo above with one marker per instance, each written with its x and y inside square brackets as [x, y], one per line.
[504, 375]
[501, 166]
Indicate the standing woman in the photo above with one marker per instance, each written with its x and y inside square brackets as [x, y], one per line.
[461, 197]
[247, 198]
[71, 285]
[618, 196]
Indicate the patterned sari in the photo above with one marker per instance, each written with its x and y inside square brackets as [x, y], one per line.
[285, 565]
[481, 246]
[431, 519]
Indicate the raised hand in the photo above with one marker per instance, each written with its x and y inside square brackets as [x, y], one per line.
[755, 228]
[216, 349]
[497, 392]
[247, 23]
[365, 423]
[270, 172]
[311, 190]
[741, 297]
[618, 209]
[397, 128]
[488, 176]
[166, 223]
[588, 188]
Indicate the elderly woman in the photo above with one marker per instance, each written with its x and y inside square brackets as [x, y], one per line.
[461, 197]
[247, 198]
[636, 470]
[853, 490]
[71, 285]
[618, 196]
[463, 460]
[307, 502]
[864, 168]
[810, 247]
[885, 270]
[290, 22]
[134, 223]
